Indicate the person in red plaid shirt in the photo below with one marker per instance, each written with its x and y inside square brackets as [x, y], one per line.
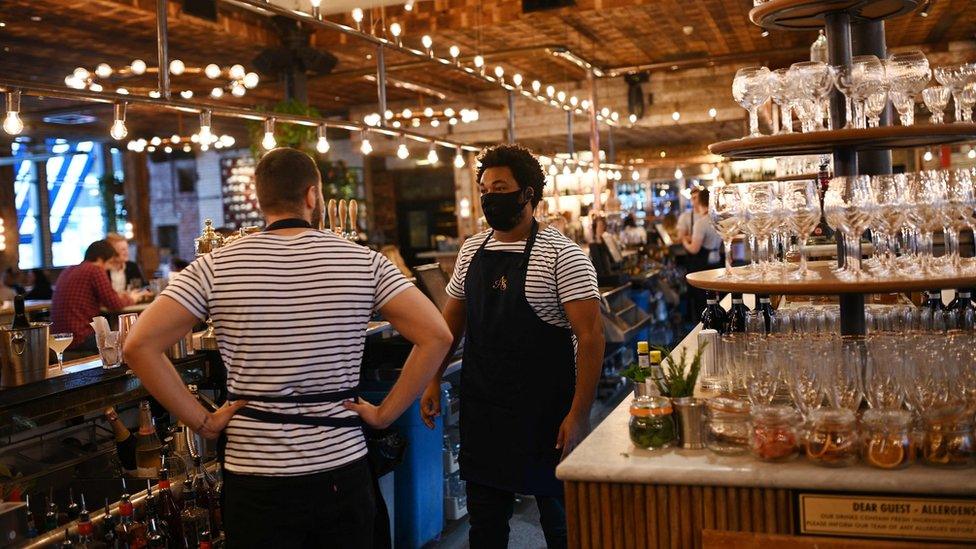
[82, 291]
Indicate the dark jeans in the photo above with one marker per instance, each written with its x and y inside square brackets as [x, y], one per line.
[491, 509]
[331, 509]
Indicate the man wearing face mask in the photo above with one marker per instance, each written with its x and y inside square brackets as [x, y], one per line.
[527, 303]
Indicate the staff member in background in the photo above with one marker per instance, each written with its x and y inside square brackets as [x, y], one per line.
[528, 305]
[290, 308]
[704, 247]
[82, 292]
[122, 272]
[685, 220]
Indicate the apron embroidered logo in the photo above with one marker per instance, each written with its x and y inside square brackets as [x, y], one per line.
[500, 284]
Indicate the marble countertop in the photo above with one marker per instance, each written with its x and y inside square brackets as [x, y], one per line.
[607, 455]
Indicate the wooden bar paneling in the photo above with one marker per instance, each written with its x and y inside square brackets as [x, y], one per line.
[660, 516]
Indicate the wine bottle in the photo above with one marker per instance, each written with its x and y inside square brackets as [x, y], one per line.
[713, 317]
[205, 541]
[129, 532]
[125, 443]
[108, 526]
[195, 518]
[934, 302]
[737, 315]
[823, 178]
[66, 543]
[72, 509]
[86, 530]
[147, 443]
[51, 515]
[765, 308]
[169, 511]
[962, 301]
[154, 536]
[21, 320]
[31, 525]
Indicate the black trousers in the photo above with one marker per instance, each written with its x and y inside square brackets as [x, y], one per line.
[490, 509]
[336, 508]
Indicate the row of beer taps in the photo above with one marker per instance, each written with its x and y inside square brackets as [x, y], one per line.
[339, 211]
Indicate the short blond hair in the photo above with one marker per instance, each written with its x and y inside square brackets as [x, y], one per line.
[112, 238]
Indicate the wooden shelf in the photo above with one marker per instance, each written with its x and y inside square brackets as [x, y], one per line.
[824, 142]
[809, 14]
[827, 284]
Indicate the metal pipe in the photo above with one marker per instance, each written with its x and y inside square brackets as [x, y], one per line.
[47, 90]
[511, 116]
[570, 145]
[595, 144]
[162, 47]
[613, 72]
[381, 83]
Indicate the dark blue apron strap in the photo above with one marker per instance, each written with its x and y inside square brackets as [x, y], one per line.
[314, 398]
[296, 419]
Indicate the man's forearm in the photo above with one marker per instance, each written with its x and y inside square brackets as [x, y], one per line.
[589, 363]
[417, 371]
[165, 385]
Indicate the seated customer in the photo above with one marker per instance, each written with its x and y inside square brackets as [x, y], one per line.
[121, 271]
[41, 286]
[81, 293]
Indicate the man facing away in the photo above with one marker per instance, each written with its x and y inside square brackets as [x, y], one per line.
[290, 308]
[527, 302]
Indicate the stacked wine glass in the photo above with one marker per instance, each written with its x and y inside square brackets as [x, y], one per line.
[867, 84]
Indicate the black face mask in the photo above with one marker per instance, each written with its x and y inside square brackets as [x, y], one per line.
[503, 210]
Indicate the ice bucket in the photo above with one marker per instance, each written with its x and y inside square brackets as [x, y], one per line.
[23, 354]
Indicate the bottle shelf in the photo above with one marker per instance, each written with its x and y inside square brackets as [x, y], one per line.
[827, 284]
[861, 139]
[809, 14]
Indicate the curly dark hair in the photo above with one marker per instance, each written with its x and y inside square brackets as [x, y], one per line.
[524, 165]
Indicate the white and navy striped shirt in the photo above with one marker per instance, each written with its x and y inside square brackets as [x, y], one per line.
[557, 267]
[290, 315]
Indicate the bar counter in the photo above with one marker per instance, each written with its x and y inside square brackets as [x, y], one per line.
[618, 495]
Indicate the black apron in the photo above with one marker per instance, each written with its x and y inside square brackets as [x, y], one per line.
[313, 398]
[517, 382]
[699, 261]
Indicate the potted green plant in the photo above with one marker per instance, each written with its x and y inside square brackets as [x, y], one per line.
[678, 383]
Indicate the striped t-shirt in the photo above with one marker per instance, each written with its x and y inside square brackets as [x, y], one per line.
[290, 315]
[556, 263]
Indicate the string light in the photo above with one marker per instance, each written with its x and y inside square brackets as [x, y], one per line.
[432, 154]
[408, 6]
[926, 157]
[633, 118]
[239, 80]
[635, 175]
[138, 67]
[396, 30]
[536, 86]
[217, 93]
[103, 70]
[322, 145]
[176, 67]
[678, 174]
[402, 151]
[712, 112]
[550, 91]
[366, 147]
[561, 96]
[357, 16]
[206, 135]
[251, 80]
[428, 43]
[12, 124]
[971, 154]
[676, 116]
[479, 63]
[269, 139]
[455, 53]
[212, 71]
[499, 72]
[458, 159]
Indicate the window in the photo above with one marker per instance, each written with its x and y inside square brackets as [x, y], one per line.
[26, 198]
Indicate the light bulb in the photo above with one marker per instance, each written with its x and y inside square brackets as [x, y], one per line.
[217, 93]
[676, 116]
[187, 148]
[458, 160]
[561, 96]
[168, 149]
[269, 139]
[357, 15]
[435, 123]
[396, 124]
[12, 124]
[712, 112]
[605, 111]
[407, 113]
[449, 112]
[206, 136]
[971, 154]
[237, 72]
[517, 80]
[103, 70]
[479, 61]
[536, 86]
[402, 151]
[678, 174]
[388, 114]
[154, 94]
[95, 87]
[175, 138]
[251, 80]
[635, 175]
[574, 100]
[455, 52]
[227, 140]
[499, 71]
[432, 155]
[138, 66]
[615, 116]
[366, 147]
[322, 146]
[550, 91]
[186, 94]
[427, 41]
[415, 122]
[452, 121]
[81, 73]
[122, 91]
[408, 6]
[927, 156]
[396, 29]
[585, 104]
[176, 67]
[237, 89]
[118, 131]
[633, 118]
[73, 82]
[212, 71]
[428, 112]
[156, 141]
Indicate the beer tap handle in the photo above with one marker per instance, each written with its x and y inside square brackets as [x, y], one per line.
[332, 214]
[343, 209]
[353, 218]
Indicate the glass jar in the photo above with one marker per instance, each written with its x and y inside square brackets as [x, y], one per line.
[651, 424]
[772, 433]
[832, 441]
[727, 426]
[949, 438]
[887, 440]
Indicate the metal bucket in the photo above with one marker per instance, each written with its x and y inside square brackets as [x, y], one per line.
[23, 354]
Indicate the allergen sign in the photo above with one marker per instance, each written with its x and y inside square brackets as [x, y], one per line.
[884, 517]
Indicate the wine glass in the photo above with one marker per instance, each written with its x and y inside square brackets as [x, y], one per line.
[892, 195]
[907, 73]
[815, 82]
[762, 377]
[868, 77]
[802, 199]
[929, 194]
[843, 80]
[874, 105]
[967, 98]
[844, 379]
[58, 343]
[759, 216]
[725, 205]
[782, 92]
[849, 206]
[936, 99]
[882, 387]
[961, 200]
[804, 378]
[750, 89]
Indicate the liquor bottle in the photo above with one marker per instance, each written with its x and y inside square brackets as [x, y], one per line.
[147, 443]
[208, 494]
[823, 177]
[31, 525]
[934, 301]
[169, 511]
[86, 530]
[657, 372]
[72, 509]
[195, 518]
[737, 316]
[125, 443]
[962, 301]
[150, 507]
[713, 317]
[154, 536]
[765, 308]
[66, 543]
[108, 527]
[51, 515]
[129, 532]
[205, 541]
[643, 357]
[20, 314]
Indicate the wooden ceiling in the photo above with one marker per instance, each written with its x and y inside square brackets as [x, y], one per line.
[44, 40]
